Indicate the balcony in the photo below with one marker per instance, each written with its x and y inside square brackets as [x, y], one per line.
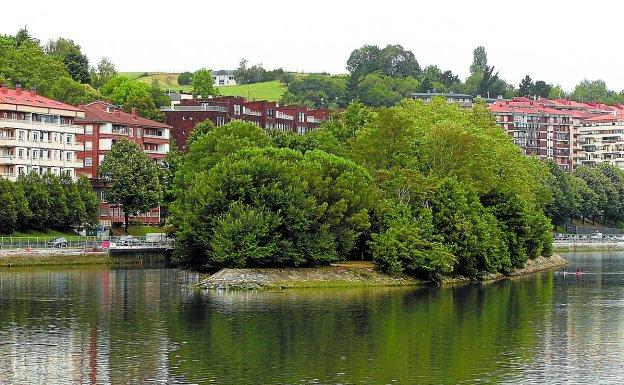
[7, 159]
[32, 125]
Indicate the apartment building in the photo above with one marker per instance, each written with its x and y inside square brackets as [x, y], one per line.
[538, 129]
[601, 140]
[37, 134]
[222, 110]
[104, 124]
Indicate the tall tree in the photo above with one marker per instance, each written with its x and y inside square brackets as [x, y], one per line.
[133, 178]
[70, 54]
[8, 209]
[104, 72]
[203, 84]
[479, 61]
[89, 200]
[58, 211]
[396, 61]
[591, 91]
[39, 201]
[76, 212]
[526, 87]
[541, 89]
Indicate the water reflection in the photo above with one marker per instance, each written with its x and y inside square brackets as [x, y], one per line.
[126, 326]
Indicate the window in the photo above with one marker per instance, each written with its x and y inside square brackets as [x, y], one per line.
[88, 145]
[139, 132]
[69, 138]
[89, 129]
[35, 136]
[68, 156]
[88, 161]
[20, 153]
[21, 135]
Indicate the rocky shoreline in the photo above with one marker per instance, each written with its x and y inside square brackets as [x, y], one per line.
[350, 274]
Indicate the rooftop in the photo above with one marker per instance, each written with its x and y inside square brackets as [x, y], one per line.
[103, 112]
[23, 97]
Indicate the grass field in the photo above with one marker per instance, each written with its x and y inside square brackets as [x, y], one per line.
[46, 234]
[272, 91]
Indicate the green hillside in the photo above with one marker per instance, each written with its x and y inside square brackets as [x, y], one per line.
[272, 91]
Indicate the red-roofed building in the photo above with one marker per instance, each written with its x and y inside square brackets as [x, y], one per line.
[537, 128]
[104, 124]
[221, 110]
[37, 134]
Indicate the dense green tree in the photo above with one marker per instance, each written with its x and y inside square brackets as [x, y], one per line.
[396, 61]
[68, 91]
[70, 54]
[133, 178]
[526, 87]
[129, 94]
[39, 201]
[562, 206]
[406, 247]
[615, 175]
[76, 212]
[383, 91]
[203, 84]
[479, 61]
[184, 79]
[590, 90]
[103, 73]
[585, 199]
[317, 91]
[58, 211]
[8, 209]
[290, 209]
[541, 89]
[606, 195]
[89, 200]
[200, 130]
[24, 214]
[363, 61]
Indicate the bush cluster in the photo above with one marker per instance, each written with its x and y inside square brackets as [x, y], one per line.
[427, 190]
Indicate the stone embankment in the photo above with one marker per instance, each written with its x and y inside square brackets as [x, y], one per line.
[350, 274]
[588, 246]
[72, 256]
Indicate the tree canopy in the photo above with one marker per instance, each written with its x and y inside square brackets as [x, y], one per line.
[133, 178]
[428, 190]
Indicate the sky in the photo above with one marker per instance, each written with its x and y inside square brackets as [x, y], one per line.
[561, 42]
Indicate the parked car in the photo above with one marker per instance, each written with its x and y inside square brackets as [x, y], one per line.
[58, 242]
[128, 240]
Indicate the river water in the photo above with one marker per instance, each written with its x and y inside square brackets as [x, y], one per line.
[130, 326]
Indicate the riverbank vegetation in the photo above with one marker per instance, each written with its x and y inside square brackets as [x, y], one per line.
[594, 194]
[36, 203]
[428, 190]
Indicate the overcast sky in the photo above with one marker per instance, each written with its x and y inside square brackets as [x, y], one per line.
[558, 41]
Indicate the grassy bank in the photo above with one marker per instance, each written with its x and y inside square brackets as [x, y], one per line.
[74, 258]
[271, 91]
[350, 274]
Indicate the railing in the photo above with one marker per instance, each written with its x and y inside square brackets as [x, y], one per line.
[195, 108]
[78, 242]
[46, 243]
[24, 121]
